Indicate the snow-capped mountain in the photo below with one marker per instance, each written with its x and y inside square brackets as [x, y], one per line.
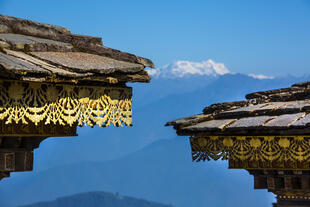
[182, 68]
[260, 76]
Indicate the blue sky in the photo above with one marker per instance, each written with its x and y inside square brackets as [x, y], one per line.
[268, 37]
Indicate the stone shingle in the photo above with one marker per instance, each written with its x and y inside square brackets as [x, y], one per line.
[274, 112]
[36, 51]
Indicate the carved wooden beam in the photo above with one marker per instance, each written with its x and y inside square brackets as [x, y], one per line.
[254, 152]
[64, 105]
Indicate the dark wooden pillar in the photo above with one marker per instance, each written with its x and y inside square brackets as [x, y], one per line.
[18, 141]
[291, 187]
[16, 154]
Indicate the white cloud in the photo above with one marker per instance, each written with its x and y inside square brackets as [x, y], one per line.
[260, 76]
[181, 68]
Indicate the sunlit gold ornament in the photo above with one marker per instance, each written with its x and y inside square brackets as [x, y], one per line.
[264, 148]
[65, 104]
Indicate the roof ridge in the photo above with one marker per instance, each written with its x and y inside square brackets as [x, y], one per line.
[82, 43]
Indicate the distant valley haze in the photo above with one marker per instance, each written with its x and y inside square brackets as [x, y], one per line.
[205, 52]
[148, 160]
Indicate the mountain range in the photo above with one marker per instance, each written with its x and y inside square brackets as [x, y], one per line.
[147, 160]
[161, 172]
[181, 68]
[95, 199]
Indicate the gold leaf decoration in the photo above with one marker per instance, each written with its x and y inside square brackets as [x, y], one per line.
[22, 102]
[252, 148]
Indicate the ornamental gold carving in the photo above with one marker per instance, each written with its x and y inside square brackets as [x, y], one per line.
[58, 104]
[252, 148]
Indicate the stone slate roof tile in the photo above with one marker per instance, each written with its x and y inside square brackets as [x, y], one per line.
[29, 43]
[84, 62]
[41, 52]
[211, 125]
[250, 122]
[187, 121]
[304, 121]
[53, 69]
[13, 65]
[244, 111]
[284, 120]
[275, 112]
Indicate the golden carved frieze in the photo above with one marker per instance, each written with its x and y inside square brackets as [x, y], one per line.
[39, 130]
[59, 104]
[277, 149]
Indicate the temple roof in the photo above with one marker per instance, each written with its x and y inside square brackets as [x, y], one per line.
[33, 51]
[275, 112]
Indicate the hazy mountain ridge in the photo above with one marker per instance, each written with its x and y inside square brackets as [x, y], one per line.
[96, 199]
[149, 118]
[162, 171]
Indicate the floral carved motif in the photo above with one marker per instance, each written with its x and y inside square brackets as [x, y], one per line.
[251, 148]
[58, 104]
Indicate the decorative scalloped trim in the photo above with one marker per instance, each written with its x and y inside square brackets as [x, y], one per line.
[22, 102]
[251, 148]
